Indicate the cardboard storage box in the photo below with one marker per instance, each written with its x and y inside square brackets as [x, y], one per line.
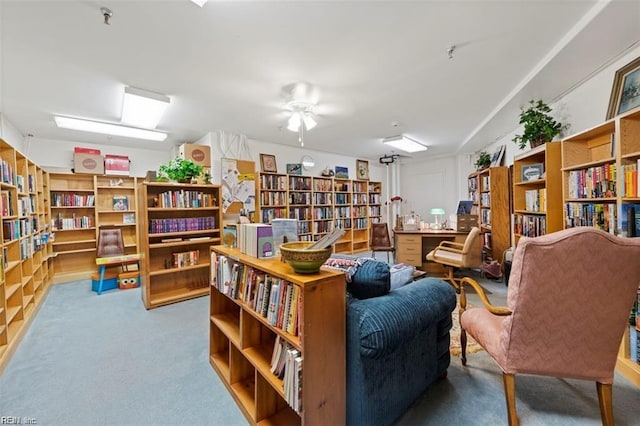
[88, 163]
[467, 221]
[199, 154]
[109, 282]
[116, 165]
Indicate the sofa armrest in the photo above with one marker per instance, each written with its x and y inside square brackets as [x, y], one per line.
[387, 321]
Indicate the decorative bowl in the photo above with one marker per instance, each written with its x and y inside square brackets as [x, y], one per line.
[304, 261]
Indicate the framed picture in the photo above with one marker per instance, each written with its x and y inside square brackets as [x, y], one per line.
[342, 172]
[128, 218]
[268, 163]
[625, 93]
[496, 159]
[362, 169]
[120, 202]
[294, 168]
[532, 172]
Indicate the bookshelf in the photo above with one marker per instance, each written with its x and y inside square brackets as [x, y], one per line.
[600, 188]
[176, 222]
[537, 202]
[116, 206]
[493, 209]
[242, 342]
[25, 265]
[320, 204]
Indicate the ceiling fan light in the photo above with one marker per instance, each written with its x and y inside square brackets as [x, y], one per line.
[294, 122]
[404, 143]
[309, 122]
[199, 2]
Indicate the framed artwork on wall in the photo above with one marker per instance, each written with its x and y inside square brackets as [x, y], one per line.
[268, 163]
[625, 93]
[294, 168]
[362, 169]
[342, 172]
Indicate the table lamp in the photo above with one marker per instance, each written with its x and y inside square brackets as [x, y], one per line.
[438, 213]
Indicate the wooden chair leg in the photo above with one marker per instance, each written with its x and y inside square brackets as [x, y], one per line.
[509, 381]
[463, 346]
[606, 403]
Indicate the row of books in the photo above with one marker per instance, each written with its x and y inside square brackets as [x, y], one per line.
[276, 182]
[359, 198]
[186, 258]
[67, 199]
[267, 215]
[273, 198]
[74, 222]
[629, 179]
[303, 198]
[255, 239]
[634, 330]
[26, 206]
[161, 226]
[286, 364]
[185, 199]
[6, 172]
[529, 225]
[535, 200]
[593, 182]
[275, 299]
[6, 203]
[600, 215]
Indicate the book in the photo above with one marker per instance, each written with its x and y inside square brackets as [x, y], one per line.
[128, 218]
[120, 202]
[264, 241]
[284, 231]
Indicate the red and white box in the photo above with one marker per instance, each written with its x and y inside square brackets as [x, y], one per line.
[81, 150]
[116, 165]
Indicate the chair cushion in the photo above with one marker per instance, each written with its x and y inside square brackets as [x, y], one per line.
[371, 279]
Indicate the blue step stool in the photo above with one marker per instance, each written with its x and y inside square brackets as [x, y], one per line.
[110, 282]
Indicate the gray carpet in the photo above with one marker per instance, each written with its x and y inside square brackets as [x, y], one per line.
[89, 359]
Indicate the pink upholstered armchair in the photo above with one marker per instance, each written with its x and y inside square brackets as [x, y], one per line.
[569, 298]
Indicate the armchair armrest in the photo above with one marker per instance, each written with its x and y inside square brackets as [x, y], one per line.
[496, 310]
[454, 244]
[447, 249]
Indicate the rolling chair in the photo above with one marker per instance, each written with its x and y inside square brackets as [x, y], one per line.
[453, 255]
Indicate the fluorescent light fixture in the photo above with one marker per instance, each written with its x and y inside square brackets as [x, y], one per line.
[108, 128]
[200, 2]
[141, 108]
[404, 143]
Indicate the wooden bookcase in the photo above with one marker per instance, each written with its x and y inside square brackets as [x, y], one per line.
[177, 225]
[242, 343]
[537, 203]
[493, 209]
[320, 204]
[82, 204]
[25, 267]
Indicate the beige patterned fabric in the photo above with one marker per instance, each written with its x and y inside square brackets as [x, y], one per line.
[570, 293]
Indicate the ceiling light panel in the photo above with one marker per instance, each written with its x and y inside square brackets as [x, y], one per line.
[108, 128]
[142, 108]
[404, 143]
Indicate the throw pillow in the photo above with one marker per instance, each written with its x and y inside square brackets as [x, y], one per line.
[371, 279]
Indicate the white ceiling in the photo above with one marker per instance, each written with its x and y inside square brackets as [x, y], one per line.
[226, 66]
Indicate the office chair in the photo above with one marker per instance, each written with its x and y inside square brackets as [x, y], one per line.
[379, 240]
[453, 255]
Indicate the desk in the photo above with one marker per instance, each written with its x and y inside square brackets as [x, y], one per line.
[103, 262]
[412, 247]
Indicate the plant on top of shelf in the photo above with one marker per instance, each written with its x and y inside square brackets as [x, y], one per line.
[483, 161]
[539, 126]
[179, 170]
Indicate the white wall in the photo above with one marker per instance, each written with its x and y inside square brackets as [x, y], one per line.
[10, 134]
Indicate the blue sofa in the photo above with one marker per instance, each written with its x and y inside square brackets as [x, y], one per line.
[397, 345]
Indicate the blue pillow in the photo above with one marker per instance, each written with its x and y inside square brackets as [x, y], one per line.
[372, 279]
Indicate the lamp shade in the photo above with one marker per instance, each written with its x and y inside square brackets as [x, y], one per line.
[436, 211]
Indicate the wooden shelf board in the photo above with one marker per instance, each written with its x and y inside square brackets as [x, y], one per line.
[229, 325]
[183, 233]
[73, 207]
[220, 363]
[629, 369]
[10, 289]
[260, 358]
[75, 251]
[11, 265]
[285, 416]
[183, 243]
[27, 299]
[173, 209]
[12, 311]
[177, 270]
[176, 295]
[73, 229]
[244, 392]
[26, 279]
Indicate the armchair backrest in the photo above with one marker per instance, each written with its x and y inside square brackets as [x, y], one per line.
[110, 243]
[570, 293]
[379, 235]
[471, 256]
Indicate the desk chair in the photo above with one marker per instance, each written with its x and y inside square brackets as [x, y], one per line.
[379, 240]
[452, 255]
[568, 304]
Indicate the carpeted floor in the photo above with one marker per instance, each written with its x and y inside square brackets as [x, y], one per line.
[105, 360]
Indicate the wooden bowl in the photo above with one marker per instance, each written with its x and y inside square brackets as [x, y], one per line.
[304, 261]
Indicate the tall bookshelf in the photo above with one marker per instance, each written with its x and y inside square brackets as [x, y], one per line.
[320, 204]
[81, 205]
[537, 192]
[242, 341]
[25, 265]
[600, 186]
[178, 224]
[493, 209]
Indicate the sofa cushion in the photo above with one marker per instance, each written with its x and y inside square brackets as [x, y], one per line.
[371, 279]
[383, 321]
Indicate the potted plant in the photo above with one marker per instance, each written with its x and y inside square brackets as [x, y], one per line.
[483, 161]
[539, 126]
[179, 170]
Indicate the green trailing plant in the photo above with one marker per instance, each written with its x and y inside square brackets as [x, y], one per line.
[483, 160]
[179, 169]
[539, 126]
